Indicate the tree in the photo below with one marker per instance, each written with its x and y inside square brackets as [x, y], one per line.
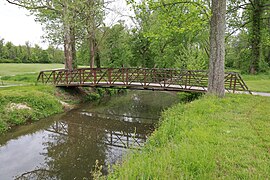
[55, 11]
[251, 17]
[217, 48]
[116, 50]
[1, 48]
[90, 18]
[175, 33]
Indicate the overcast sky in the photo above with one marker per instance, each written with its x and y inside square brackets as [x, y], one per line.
[18, 27]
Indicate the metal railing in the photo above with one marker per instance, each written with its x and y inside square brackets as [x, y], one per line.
[140, 78]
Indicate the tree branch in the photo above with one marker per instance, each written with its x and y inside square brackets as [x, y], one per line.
[243, 25]
[242, 6]
[252, 3]
[32, 7]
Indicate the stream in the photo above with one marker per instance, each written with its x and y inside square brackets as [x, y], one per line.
[68, 145]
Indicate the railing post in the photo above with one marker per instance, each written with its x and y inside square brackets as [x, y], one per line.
[80, 75]
[189, 77]
[66, 73]
[123, 75]
[95, 76]
[110, 75]
[127, 76]
[144, 74]
[171, 74]
[165, 76]
[54, 80]
[230, 75]
[234, 84]
[154, 76]
[42, 77]
[83, 77]
[186, 79]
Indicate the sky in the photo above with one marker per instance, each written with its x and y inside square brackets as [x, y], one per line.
[17, 26]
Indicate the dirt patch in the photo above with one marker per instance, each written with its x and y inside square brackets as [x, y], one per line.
[17, 106]
[67, 106]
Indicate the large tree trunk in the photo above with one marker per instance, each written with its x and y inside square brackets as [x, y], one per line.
[92, 51]
[256, 36]
[97, 56]
[67, 41]
[73, 48]
[68, 50]
[217, 48]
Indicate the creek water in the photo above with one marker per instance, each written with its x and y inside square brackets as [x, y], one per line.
[67, 146]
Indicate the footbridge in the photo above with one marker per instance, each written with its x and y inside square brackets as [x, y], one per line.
[140, 78]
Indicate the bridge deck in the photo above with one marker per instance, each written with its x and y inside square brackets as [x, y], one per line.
[140, 78]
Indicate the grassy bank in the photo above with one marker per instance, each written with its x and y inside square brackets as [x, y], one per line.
[19, 105]
[209, 138]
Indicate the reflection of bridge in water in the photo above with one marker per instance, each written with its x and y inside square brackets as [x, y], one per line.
[140, 78]
[133, 136]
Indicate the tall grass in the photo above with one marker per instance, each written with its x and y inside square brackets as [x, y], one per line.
[209, 138]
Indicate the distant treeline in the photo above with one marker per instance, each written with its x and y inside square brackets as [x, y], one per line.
[9, 53]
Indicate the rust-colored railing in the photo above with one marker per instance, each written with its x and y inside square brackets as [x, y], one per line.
[140, 78]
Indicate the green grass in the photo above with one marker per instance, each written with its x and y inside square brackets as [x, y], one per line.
[260, 82]
[9, 69]
[20, 78]
[209, 138]
[40, 100]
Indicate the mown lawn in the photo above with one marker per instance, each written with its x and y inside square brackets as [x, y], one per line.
[209, 138]
[9, 69]
[259, 83]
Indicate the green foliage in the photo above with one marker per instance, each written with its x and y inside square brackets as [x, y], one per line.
[209, 138]
[188, 96]
[172, 33]
[10, 53]
[20, 105]
[116, 50]
[92, 96]
[248, 27]
[101, 92]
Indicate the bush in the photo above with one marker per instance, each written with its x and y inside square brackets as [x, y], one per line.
[92, 96]
[188, 96]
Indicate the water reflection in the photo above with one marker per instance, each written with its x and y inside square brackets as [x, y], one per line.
[68, 146]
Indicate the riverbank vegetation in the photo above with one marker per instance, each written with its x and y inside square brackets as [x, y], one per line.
[26, 104]
[209, 138]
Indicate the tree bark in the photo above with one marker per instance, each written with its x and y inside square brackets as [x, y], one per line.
[217, 49]
[256, 36]
[68, 49]
[67, 40]
[92, 51]
[97, 56]
[73, 48]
